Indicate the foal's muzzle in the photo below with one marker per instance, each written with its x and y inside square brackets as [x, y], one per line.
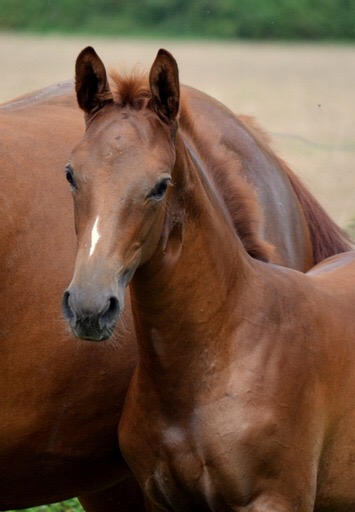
[90, 320]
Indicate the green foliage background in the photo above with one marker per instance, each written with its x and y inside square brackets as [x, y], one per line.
[251, 19]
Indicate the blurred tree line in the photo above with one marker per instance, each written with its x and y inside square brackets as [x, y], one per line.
[252, 19]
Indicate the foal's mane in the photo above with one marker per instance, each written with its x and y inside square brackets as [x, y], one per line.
[237, 194]
[130, 89]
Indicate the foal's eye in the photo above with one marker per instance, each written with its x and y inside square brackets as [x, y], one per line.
[160, 188]
[69, 174]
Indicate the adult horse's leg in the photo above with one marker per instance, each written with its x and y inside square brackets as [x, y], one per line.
[125, 496]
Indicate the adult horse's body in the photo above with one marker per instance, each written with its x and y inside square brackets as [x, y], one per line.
[244, 394]
[60, 399]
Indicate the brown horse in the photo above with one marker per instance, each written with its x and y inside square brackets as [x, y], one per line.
[60, 398]
[243, 398]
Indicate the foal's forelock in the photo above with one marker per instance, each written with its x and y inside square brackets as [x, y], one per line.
[129, 89]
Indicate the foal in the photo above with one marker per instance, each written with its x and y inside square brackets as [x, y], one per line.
[243, 396]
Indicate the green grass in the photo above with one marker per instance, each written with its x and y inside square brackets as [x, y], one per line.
[65, 506]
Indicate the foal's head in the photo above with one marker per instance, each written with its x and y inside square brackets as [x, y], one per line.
[119, 175]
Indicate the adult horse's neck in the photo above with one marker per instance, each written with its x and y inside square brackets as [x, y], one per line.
[182, 298]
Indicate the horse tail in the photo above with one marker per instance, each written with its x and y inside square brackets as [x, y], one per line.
[327, 238]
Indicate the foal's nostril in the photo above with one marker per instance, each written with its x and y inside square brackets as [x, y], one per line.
[67, 310]
[110, 313]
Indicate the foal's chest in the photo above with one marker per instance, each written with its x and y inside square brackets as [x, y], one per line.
[181, 479]
[196, 466]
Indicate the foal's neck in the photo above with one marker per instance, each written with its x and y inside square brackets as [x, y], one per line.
[182, 296]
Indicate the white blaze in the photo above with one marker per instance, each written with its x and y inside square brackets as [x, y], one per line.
[95, 236]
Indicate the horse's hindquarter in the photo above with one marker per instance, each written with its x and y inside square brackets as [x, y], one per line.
[61, 398]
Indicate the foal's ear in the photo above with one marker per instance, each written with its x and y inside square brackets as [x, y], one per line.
[164, 86]
[91, 85]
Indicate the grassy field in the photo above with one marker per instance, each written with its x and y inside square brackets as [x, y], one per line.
[303, 96]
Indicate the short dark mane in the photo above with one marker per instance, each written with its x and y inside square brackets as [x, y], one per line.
[130, 89]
